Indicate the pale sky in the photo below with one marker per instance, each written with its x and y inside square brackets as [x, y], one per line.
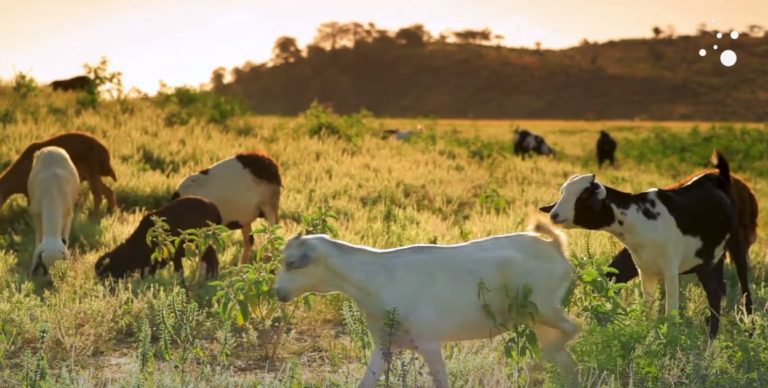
[182, 41]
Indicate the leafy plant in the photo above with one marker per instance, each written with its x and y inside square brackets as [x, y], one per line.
[320, 222]
[194, 241]
[519, 339]
[24, 85]
[245, 296]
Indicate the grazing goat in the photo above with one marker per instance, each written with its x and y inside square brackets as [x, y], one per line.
[80, 82]
[527, 142]
[89, 156]
[135, 255]
[244, 187]
[53, 185]
[746, 205]
[669, 232]
[401, 135]
[606, 149]
[434, 289]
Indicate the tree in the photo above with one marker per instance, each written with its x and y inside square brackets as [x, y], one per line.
[217, 78]
[701, 29]
[285, 51]
[468, 36]
[413, 36]
[333, 35]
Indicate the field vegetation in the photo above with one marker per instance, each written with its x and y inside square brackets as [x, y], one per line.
[456, 181]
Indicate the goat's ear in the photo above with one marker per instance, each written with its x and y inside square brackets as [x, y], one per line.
[547, 208]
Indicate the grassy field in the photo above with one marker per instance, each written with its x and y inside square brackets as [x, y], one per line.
[455, 182]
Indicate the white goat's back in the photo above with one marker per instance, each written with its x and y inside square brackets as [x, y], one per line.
[232, 188]
[436, 287]
[53, 180]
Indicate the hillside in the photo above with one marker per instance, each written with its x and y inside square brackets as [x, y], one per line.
[654, 79]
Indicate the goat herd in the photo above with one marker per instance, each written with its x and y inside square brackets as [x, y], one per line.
[684, 228]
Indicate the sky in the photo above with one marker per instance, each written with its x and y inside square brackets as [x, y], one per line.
[182, 41]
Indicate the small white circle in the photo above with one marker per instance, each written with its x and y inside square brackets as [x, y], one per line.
[734, 35]
[702, 52]
[714, 47]
[719, 35]
[728, 58]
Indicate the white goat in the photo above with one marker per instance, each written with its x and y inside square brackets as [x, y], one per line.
[435, 291]
[53, 185]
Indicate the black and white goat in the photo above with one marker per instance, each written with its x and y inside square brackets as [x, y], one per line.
[527, 142]
[668, 232]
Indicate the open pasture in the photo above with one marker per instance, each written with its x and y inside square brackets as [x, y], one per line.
[457, 180]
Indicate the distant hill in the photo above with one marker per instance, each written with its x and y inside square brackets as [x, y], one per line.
[655, 79]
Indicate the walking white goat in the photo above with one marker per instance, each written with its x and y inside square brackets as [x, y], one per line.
[434, 289]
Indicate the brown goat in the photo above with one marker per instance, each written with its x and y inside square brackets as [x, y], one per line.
[91, 158]
[81, 82]
[135, 255]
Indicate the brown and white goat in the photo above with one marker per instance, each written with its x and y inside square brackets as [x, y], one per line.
[135, 255]
[89, 156]
[244, 187]
[53, 186]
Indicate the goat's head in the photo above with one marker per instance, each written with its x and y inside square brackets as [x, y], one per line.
[541, 147]
[583, 203]
[114, 264]
[47, 254]
[302, 272]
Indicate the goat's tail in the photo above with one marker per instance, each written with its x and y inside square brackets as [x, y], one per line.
[543, 226]
[718, 160]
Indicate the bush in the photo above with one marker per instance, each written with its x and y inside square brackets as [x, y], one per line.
[187, 104]
[24, 85]
[744, 147]
[321, 121]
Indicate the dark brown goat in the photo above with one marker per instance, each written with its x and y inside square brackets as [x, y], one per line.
[135, 255]
[90, 157]
[81, 82]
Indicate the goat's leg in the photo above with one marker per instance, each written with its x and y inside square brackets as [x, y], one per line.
[709, 281]
[649, 288]
[433, 356]
[738, 250]
[627, 270]
[106, 192]
[177, 266]
[96, 193]
[211, 263]
[671, 290]
[67, 227]
[247, 244]
[375, 367]
[552, 341]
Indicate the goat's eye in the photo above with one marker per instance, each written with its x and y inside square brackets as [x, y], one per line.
[586, 194]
